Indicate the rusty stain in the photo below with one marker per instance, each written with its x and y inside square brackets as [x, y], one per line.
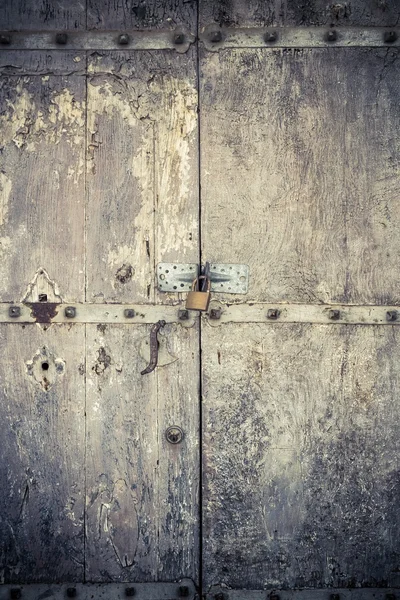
[103, 361]
[124, 273]
[43, 312]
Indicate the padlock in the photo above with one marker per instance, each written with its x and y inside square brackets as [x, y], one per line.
[197, 300]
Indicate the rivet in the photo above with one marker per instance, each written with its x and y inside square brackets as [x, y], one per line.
[42, 297]
[220, 596]
[14, 311]
[61, 38]
[71, 592]
[5, 40]
[15, 593]
[391, 315]
[70, 312]
[273, 313]
[183, 314]
[271, 36]
[124, 39]
[390, 596]
[334, 314]
[216, 36]
[179, 38]
[331, 36]
[274, 596]
[389, 37]
[335, 597]
[130, 591]
[174, 434]
[183, 591]
[215, 313]
[129, 313]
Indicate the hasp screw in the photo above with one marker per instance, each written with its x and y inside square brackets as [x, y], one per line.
[215, 313]
[70, 312]
[123, 39]
[174, 434]
[273, 313]
[183, 314]
[61, 38]
[129, 313]
[334, 314]
[391, 315]
[14, 311]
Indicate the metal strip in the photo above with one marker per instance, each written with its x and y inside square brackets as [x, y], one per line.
[100, 591]
[217, 593]
[215, 38]
[95, 313]
[178, 39]
[220, 313]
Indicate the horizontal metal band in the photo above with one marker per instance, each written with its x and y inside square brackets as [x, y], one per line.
[178, 39]
[217, 593]
[303, 313]
[95, 313]
[100, 591]
[215, 38]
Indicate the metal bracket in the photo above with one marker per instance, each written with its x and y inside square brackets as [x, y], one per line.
[225, 278]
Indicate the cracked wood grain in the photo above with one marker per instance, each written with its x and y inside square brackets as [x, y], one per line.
[134, 14]
[18, 15]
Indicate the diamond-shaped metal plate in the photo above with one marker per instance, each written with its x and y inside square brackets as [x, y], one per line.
[225, 278]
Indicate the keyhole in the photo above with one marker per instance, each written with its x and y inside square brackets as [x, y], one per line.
[45, 366]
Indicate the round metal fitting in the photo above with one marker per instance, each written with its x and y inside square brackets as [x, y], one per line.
[174, 434]
[5, 40]
[130, 591]
[123, 39]
[270, 37]
[15, 593]
[14, 311]
[389, 37]
[179, 38]
[273, 313]
[334, 314]
[61, 38]
[129, 313]
[215, 313]
[331, 36]
[391, 315]
[71, 592]
[183, 591]
[215, 36]
[70, 312]
[183, 314]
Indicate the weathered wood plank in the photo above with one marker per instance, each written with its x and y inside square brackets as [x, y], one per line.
[128, 14]
[42, 182]
[42, 453]
[301, 182]
[39, 62]
[367, 13]
[142, 204]
[17, 15]
[142, 492]
[301, 456]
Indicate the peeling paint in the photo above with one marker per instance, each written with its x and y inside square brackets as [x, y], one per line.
[5, 191]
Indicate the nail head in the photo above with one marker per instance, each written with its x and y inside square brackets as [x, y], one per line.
[70, 312]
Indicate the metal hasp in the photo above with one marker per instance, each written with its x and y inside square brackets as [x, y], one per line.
[227, 278]
[100, 591]
[153, 347]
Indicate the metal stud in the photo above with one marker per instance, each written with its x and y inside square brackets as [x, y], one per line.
[71, 592]
[15, 593]
[389, 37]
[179, 38]
[216, 36]
[273, 313]
[130, 591]
[183, 314]
[5, 40]
[124, 39]
[215, 313]
[331, 36]
[61, 38]
[129, 313]
[219, 596]
[391, 315]
[183, 591]
[390, 597]
[14, 311]
[271, 37]
[174, 434]
[335, 597]
[274, 596]
[334, 314]
[70, 312]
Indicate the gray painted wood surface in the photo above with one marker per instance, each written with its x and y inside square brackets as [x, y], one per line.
[129, 14]
[42, 453]
[300, 171]
[301, 456]
[41, 14]
[366, 13]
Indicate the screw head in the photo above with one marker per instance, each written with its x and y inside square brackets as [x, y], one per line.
[124, 39]
[61, 38]
[130, 591]
[391, 315]
[273, 313]
[70, 312]
[183, 591]
[271, 36]
[14, 311]
[179, 38]
[389, 37]
[129, 313]
[183, 314]
[334, 314]
[15, 593]
[215, 313]
[216, 36]
[331, 36]
[174, 434]
[5, 40]
[71, 592]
